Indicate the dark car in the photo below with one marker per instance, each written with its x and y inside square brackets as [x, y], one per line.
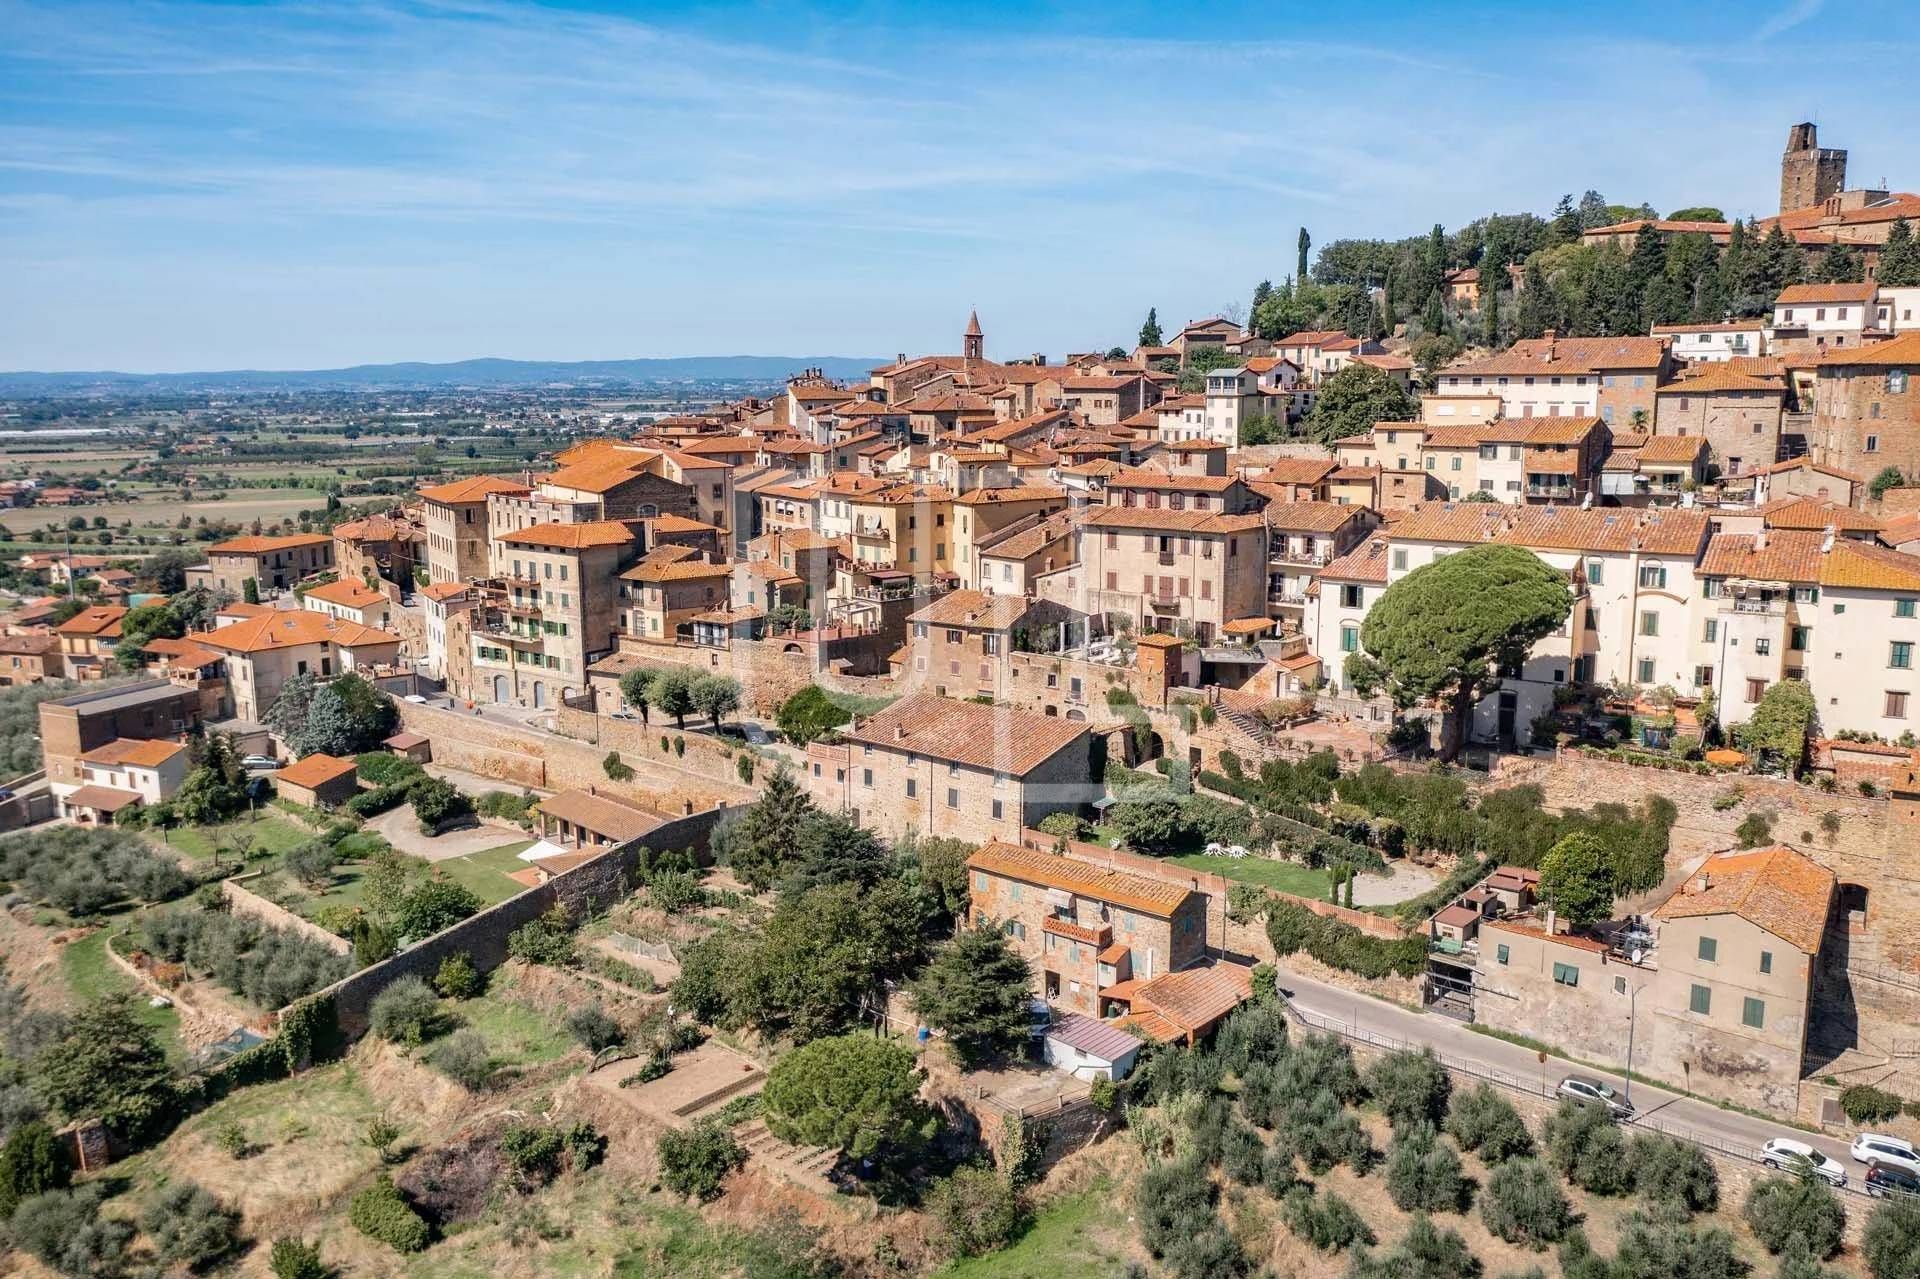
[1886, 1179]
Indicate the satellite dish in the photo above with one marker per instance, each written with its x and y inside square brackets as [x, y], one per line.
[1636, 956]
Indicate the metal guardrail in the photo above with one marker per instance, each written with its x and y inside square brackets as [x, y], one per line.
[1355, 1033]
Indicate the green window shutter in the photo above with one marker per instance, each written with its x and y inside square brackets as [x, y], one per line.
[1500, 952]
[1709, 949]
[1701, 1000]
[1766, 961]
[1754, 1013]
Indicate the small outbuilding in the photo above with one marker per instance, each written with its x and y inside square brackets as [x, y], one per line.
[1087, 1048]
[318, 781]
[412, 746]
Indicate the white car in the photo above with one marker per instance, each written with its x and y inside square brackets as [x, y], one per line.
[259, 761]
[1874, 1149]
[416, 699]
[1791, 1155]
[1581, 1088]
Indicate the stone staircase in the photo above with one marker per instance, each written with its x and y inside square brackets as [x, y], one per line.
[804, 1166]
[1249, 726]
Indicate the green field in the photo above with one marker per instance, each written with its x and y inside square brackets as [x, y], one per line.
[269, 835]
[1284, 877]
[90, 975]
[162, 510]
[485, 873]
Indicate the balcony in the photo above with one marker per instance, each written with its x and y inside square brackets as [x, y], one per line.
[1280, 555]
[1169, 601]
[1166, 559]
[1100, 935]
[1762, 608]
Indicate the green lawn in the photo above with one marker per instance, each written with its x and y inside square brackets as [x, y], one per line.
[1285, 877]
[1061, 1244]
[519, 1034]
[270, 835]
[91, 975]
[485, 873]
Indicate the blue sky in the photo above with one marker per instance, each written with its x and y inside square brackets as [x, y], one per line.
[222, 185]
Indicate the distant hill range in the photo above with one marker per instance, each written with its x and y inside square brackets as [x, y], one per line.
[755, 369]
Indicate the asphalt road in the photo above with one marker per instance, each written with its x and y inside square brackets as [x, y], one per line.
[1732, 1131]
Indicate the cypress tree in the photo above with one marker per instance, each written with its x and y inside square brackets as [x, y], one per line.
[1900, 257]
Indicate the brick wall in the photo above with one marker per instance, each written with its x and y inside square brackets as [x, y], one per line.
[483, 937]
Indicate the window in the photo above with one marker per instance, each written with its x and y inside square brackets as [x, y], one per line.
[1896, 382]
[1350, 596]
[1798, 638]
[1653, 576]
[1762, 646]
[1349, 639]
[1709, 950]
[1873, 444]
[1649, 623]
[1900, 655]
[1896, 707]
[997, 813]
[1566, 975]
[1756, 689]
[979, 881]
[1399, 558]
[1712, 634]
[1753, 1012]
[1903, 608]
[1596, 572]
[1619, 985]
[1700, 1000]
[1501, 952]
[913, 788]
[1766, 961]
[866, 778]
[1645, 674]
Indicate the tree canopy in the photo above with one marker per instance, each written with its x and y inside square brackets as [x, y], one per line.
[1446, 630]
[854, 1093]
[1356, 397]
[1576, 879]
[976, 989]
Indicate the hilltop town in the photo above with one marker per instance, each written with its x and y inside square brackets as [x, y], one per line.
[1206, 807]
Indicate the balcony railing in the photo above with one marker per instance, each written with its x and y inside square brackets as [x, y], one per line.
[1166, 558]
[1281, 555]
[1763, 607]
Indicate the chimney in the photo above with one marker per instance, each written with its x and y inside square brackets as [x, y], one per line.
[1760, 540]
[1553, 922]
[899, 732]
[1826, 540]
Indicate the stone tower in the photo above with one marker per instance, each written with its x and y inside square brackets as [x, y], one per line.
[1809, 173]
[973, 342]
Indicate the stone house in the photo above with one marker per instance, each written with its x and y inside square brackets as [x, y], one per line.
[379, 547]
[1187, 571]
[947, 767]
[559, 611]
[318, 781]
[29, 658]
[1739, 414]
[1085, 930]
[454, 518]
[72, 726]
[272, 563]
[88, 640]
[264, 652]
[1866, 407]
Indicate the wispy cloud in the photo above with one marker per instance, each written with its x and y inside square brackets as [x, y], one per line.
[1787, 19]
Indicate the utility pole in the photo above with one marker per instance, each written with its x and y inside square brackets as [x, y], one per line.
[1633, 998]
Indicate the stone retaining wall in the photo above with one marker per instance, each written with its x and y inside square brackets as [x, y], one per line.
[483, 937]
[244, 901]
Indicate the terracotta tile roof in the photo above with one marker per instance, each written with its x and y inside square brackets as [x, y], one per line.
[974, 608]
[1650, 532]
[1311, 337]
[1013, 493]
[101, 621]
[1297, 470]
[1898, 204]
[1715, 378]
[1096, 382]
[1667, 225]
[1552, 463]
[1387, 362]
[1865, 566]
[1540, 357]
[676, 571]
[1166, 521]
[992, 737]
[104, 799]
[1532, 928]
[1540, 430]
[1672, 448]
[346, 593]
[377, 528]
[602, 474]
[1902, 529]
[1454, 437]
[679, 524]
[314, 770]
[262, 545]
[572, 537]
[1797, 294]
[1031, 541]
[1815, 513]
[1464, 522]
[1049, 870]
[906, 495]
[34, 645]
[606, 815]
[284, 628]
[1786, 557]
[1366, 562]
[1311, 517]
[1139, 478]
[1778, 889]
[442, 591]
[138, 754]
[1195, 998]
[1808, 464]
[474, 489]
[1903, 350]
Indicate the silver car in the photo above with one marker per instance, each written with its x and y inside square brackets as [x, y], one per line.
[1793, 1156]
[1877, 1150]
[1585, 1088]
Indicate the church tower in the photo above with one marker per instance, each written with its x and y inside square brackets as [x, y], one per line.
[973, 343]
[1809, 173]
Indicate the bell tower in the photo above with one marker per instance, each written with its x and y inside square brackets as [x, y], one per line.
[1809, 173]
[973, 342]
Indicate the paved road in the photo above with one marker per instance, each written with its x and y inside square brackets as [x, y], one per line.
[1732, 1130]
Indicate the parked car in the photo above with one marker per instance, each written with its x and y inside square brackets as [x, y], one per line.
[1883, 1180]
[1583, 1088]
[1876, 1150]
[1791, 1155]
[416, 699]
[259, 761]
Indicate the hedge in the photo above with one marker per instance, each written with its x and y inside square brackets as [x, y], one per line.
[381, 1212]
[1292, 927]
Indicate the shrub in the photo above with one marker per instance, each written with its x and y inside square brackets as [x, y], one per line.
[380, 1212]
[743, 765]
[232, 1140]
[1423, 1172]
[435, 803]
[312, 863]
[1064, 825]
[533, 1151]
[432, 905]
[978, 1211]
[295, 1258]
[1584, 1144]
[506, 805]
[380, 1135]
[594, 1028]
[407, 1012]
[585, 1146]
[1754, 830]
[694, 1161]
[188, 1225]
[457, 977]
[1674, 1172]
[464, 1058]
[1522, 1204]
[1104, 1094]
[65, 1230]
[617, 769]
[384, 768]
[675, 891]
[1411, 1087]
[1173, 1201]
[546, 940]
[1480, 1119]
[1891, 1244]
[1865, 1104]
[1781, 1209]
[1326, 1221]
[33, 1161]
